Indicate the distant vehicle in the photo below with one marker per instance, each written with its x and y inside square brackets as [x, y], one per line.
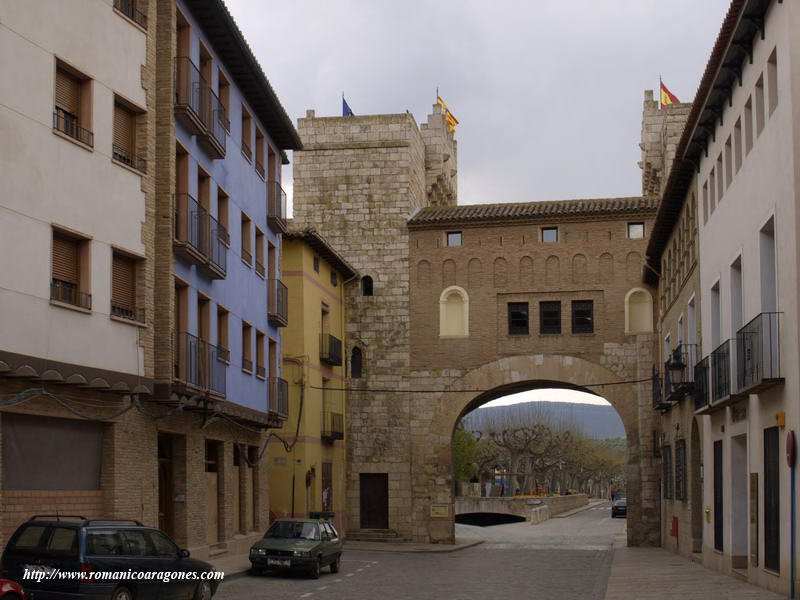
[51, 543]
[11, 590]
[619, 507]
[298, 544]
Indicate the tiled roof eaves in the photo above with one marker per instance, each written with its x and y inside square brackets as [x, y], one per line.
[318, 243]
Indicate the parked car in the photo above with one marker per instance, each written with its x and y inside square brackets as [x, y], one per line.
[46, 543]
[619, 507]
[298, 544]
[11, 590]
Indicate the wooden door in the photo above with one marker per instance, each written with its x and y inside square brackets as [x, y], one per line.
[374, 500]
[165, 487]
[718, 507]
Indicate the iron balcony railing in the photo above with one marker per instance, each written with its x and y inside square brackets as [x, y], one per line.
[261, 371]
[259, 167]
[721, 372]
[124, 310]
[701, 384]
[260, 268]
[130, 9]
[657, 391]
[189, 86]
[218, 369]
[199, 364]
[330, 349]
[69, 124]
[223, 354]
[68, 293]
[679, 371]
[247, 365]
[758, 353]
[332, 426]
[247, 256]
[191, 224]
[215, 121]
[219, 239]
[128, 158]
[246, 150]
[278, 397]
[277, 303]
[276, 206]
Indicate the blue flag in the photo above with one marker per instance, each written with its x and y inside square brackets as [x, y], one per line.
[346, 112]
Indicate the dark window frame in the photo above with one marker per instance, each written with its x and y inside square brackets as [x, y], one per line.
[680, 470]
[634, 223]
[454, 233]
[667, 473]
[582, 323]
[516, 326]
[547, 230]
[549, 328]
[367, 286]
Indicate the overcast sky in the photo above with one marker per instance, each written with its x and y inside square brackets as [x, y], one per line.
[548, 92]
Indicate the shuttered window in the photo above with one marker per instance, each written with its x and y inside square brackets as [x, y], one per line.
[123, 282]
[124, 129]
[68, 92]
[66, 261]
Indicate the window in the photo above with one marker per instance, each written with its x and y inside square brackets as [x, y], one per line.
[247, 242]
[635, 231]
[63, 542]
[162, 545]
[582, 316]
[638, 311]
[366, 286]
[748, 125]
[261, 370]
[334, 278]
[454, 313]
[759, 105]
[453, 238]
[223, 345]
[247, 348]
[69, 279]
[550, 317]
[518, 318]
[138, 543]
[72, 115]
[705, 202]
[104, 543]
[737, 144]
[260, 152]
[680, 470]
[720, 183]
[124, 137]
[668, 483]
[356, 362]
[549, 235]
[260, 269]
[223, 216]
[316, 264]
[772, 81]
[133, 10]
[224, 94]
[247, 134]
[728, 162]
[123, 288]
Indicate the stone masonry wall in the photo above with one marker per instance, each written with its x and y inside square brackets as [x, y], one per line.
[661, 132]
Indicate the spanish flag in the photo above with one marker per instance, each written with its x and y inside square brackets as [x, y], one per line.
[448, 116]
[667, 97]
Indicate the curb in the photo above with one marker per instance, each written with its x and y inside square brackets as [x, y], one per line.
[575, 511]
[412, 548]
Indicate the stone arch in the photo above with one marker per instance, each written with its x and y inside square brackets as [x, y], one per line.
[526, 278]
[520, 373]
[449, 272]
[638, 311]
[500, 272]
[474, 273]
[552, 274]
[423, 273]
[633, 267]
[454, 312]
[579, 268]
[606, 268]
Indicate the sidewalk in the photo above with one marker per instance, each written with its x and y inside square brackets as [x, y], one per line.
[655, 574]
[574, 511]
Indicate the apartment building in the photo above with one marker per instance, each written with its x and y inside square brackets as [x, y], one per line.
[737, 164]
[307, 468]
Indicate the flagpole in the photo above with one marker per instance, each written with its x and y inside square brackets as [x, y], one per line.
[659, 91]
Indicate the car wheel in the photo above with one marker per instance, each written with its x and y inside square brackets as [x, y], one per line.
[335, 564]
[203, 591]
[256, 570]
[316, 569]
[122, 593]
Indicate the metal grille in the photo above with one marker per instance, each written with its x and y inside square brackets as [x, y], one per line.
[667, 472]
[680, 470]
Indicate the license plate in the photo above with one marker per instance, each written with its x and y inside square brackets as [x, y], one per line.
[277, 562]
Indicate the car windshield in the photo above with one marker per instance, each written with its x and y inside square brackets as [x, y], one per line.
[293, 530]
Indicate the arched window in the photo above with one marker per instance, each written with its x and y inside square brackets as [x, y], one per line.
[638, 311]
[356, 362]
[454, 312]
[366, 285]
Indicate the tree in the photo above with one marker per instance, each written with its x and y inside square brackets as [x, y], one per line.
[465, 448]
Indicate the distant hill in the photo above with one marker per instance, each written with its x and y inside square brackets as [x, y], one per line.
[593, 420]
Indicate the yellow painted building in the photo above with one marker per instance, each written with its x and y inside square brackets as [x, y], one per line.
[307, 468]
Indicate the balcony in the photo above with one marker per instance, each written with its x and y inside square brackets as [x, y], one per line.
[261, 371]
[758, 357]
[129, 159]
[121, 310]
[721, 392]
[278, 397]
[679, 372]
[260, 268]
[276, 207]
[68, 293]
[247, 151]
[218, 240]
[69, 125]
[197, 364]
[260, 168]
[247, 365]
[330, 349]
[130, 10]
[701, 387]
[332, 427]
[277, 303]
[215, 121]
[199, 237]
[189, 86]
[659, 402]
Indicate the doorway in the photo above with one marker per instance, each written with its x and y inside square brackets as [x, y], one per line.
[718, 510]
[696, 489]
[374, 491]
[212, 492]
[739, 492]
[166, 512]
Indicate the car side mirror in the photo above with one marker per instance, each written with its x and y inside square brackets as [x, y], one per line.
[184, 553]
[326, 536]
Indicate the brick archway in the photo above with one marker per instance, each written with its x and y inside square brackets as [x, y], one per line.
[521, 373]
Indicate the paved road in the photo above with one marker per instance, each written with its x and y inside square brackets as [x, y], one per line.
[561, 559]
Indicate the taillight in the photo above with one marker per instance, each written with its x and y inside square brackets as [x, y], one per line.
[86, 571]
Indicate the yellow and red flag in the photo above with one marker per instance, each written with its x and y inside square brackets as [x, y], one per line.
[448, 116]
[667, 97]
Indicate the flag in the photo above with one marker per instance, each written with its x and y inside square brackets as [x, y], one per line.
[667, 97]
[346, 112]
[448, 116]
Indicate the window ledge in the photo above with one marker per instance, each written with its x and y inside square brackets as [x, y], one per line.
[248, 158]
[260, 275]
[247, 371]
[550, 334]
[584, 334]
[771, 572]
[131, 21]
[518, 335]
[453, 337]
[69, 306]
[261, 377]
[127, 167]
[127, 321]
[78, 143]
[249, 264]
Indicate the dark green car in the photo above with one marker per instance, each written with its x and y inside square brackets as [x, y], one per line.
[298, 544]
